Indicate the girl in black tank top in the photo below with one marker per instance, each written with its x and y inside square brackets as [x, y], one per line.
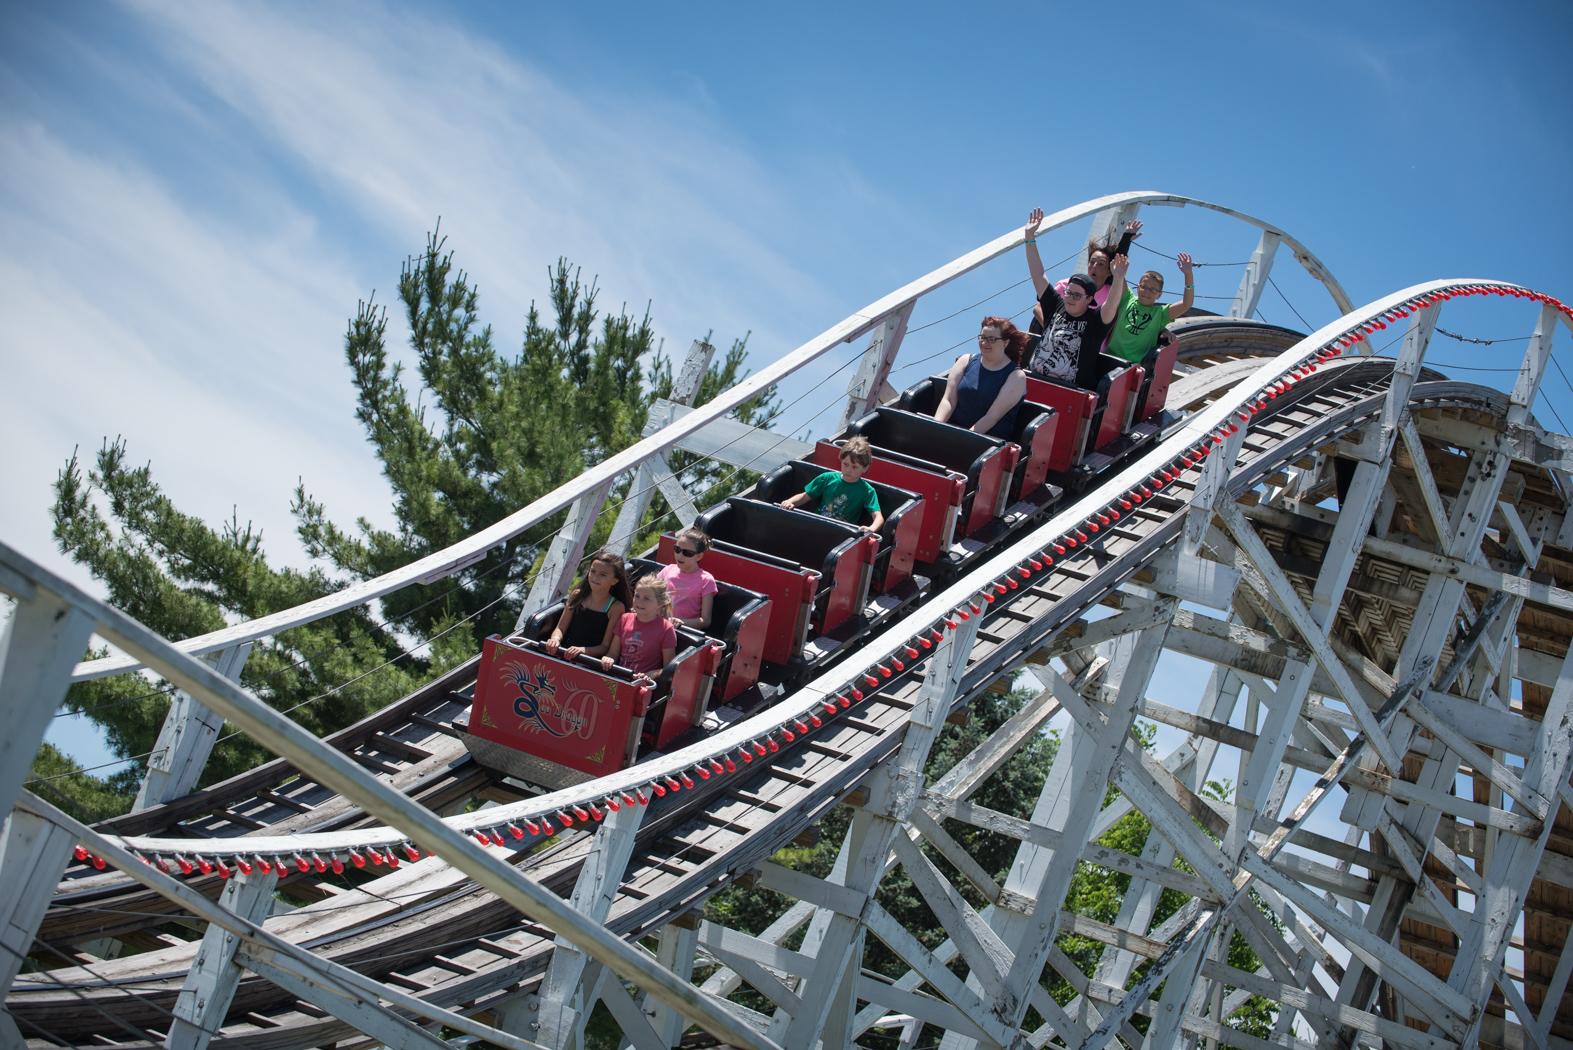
[601, 597]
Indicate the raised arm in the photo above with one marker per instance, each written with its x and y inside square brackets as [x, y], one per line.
[1040, 280]
[1111, 306]
[1179, 308]
[1133, 230]
[947, 403]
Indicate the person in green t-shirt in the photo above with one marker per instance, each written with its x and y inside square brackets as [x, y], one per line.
[844, 494]
[1141, 317]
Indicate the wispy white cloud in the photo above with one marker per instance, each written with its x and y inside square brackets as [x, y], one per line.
[400, 118]
[203, 317]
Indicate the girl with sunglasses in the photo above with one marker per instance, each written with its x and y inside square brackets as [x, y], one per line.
[693, 589]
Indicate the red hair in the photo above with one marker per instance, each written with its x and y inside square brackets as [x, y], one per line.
[1016, 341]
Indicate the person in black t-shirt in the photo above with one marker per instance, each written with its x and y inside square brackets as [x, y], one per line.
[1071, 331]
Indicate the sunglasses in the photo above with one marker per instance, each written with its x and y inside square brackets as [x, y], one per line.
[688, 552]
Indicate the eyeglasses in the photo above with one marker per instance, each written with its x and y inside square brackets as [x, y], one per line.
[688, 553]
[984, 337]
[1073, 297]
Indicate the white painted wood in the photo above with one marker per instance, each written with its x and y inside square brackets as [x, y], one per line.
[43, 638]
[210, 985]
[309, 976]
[564, 554]
[869, 385]
[1254, 280]
[342, 774]
[640, 490]
[895, 790]
[186, 738]
[737, 444]
[675, 950]
[1085, 769]
[564, 1001]
[33, 856]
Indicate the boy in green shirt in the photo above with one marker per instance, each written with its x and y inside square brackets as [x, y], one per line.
[1141, 318]
[844, 494]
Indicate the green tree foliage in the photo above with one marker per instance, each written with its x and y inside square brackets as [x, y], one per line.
[473, 435]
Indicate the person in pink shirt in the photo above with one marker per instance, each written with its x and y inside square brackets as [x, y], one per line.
[693, 589]
[1100, 258]
[646, 639]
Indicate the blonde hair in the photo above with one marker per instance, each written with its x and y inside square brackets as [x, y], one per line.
[656, 586]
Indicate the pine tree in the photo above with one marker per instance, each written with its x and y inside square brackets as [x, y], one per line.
[481, 434]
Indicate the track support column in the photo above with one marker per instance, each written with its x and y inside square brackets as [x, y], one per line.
[896, 789]
[564, 554]
[870, 385]
[211, 984]
[186, 739]
[563, 1003]
[1255, 277]
[656, 472]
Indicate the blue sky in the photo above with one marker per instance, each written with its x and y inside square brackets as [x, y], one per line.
[193, 197]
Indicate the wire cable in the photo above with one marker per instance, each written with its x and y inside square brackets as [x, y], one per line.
[1285, 298]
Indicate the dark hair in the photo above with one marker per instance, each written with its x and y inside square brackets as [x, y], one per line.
[696, 537]
[1084, 282]
[1109, 248]
[619, 583]
[1016, 341]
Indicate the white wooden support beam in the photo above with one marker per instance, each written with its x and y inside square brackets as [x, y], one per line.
[1343, 549]
[1443, 1006]
[1260, 769]
[734, 442]
[1532, 368]
[186, 738]
[1086, 771]
[1107, 225]
[39, 644]
[33, 855]
[1500, 774]
[675, 949]
[1142, 896]
[926, 965]
[1209, 490]
[631, 1020]
[1395, 403]
[335, 988]
[1254, 280]
[210, 985]
[562, 1004]
[341, 773]
[1460, 537]
[630, 515]
[685, 388]
[564, 554]
[896, 789]
[1512, 868]
[869, 386]
[986, 955]
[1275, 587]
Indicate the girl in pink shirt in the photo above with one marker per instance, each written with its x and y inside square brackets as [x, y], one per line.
[646, 639]
[693, 589]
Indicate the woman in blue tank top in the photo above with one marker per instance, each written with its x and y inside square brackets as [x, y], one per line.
[984, 391]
